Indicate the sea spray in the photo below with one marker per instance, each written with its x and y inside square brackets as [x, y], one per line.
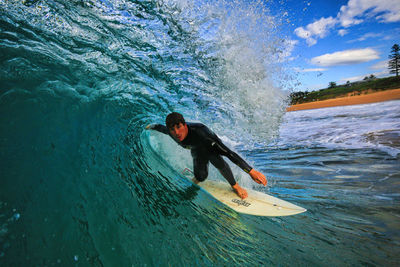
[240, 47]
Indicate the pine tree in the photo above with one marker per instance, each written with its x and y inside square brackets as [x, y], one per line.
[394, 62]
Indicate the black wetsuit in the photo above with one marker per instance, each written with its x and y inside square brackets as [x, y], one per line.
[205, 147]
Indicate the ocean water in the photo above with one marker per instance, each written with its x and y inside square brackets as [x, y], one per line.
[83, 184]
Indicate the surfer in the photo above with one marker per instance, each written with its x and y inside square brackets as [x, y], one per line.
[205, 146]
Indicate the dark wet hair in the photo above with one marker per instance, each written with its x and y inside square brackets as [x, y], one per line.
[173, 119]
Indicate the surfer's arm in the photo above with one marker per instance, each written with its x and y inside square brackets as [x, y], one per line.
[158, 127]
[257, 176]
[232, 156]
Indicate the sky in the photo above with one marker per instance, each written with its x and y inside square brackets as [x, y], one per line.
[339, 40]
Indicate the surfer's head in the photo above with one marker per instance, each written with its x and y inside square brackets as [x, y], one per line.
[177, 126]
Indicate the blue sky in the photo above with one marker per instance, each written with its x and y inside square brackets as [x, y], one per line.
[339, 41]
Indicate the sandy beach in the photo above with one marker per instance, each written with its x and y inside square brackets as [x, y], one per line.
[350, 100]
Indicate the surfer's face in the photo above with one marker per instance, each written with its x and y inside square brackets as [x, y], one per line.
[179, 131]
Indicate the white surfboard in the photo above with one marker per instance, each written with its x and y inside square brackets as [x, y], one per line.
[257, 203]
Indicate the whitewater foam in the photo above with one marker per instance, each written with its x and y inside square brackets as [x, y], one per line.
[371, 126]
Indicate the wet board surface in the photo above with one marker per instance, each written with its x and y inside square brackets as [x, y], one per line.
[257, 203]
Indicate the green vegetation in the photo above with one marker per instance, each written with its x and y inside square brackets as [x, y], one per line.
[355, 88]
[394, 60]
[332, 85]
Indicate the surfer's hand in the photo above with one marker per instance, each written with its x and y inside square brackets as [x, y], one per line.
[149, 127]
[241, 192]
[258, 177]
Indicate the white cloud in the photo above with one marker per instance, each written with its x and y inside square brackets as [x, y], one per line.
[355, 12]
[305, 34]
[348, 13]
[366, 36]
[352, 79]
[313, 70]
[380, 65]
[321, 27]
[390, 16]
[343, 32]
[311, 41]
[388, 37]
[317, 29]
[346, 57]
[380, 74]
[314, 87]
[302, 33]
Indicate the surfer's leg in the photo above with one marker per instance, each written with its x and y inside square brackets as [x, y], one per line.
[223, 168]
[200, 166]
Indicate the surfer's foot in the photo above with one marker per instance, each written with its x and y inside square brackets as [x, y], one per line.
[241, 192]
[194, 180]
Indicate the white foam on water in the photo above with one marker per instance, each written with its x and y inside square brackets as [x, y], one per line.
[348, 127]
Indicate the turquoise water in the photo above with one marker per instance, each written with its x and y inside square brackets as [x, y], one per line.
[83, 184]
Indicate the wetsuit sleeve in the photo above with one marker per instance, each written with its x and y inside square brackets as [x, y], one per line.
[235, 158]
[159, 128]
[223, 150]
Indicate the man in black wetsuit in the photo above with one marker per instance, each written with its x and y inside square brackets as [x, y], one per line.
[205, 147]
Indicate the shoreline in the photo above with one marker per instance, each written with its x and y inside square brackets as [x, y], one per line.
[374, 97]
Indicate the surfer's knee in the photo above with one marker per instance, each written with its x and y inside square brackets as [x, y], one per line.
[200, 175]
